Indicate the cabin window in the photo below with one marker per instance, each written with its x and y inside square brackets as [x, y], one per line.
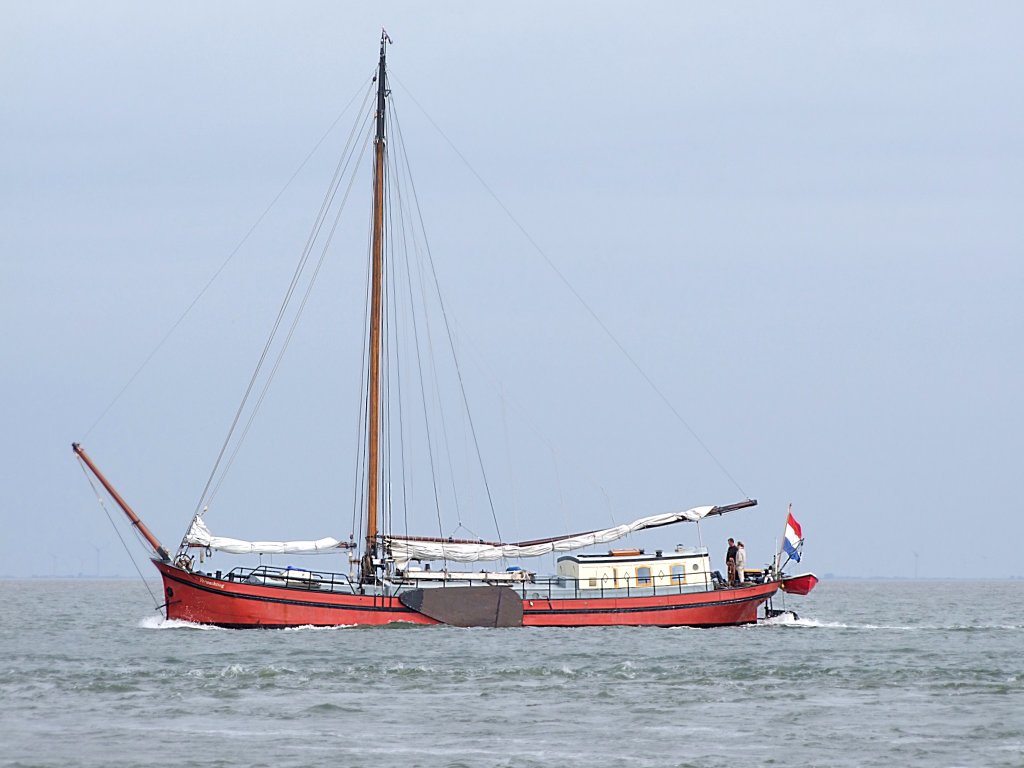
[593, 581]
[678, 574]
[643, 576]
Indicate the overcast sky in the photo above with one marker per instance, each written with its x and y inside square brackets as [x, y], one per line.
[803, 221]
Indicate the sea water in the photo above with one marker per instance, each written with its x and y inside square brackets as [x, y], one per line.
[893, 673]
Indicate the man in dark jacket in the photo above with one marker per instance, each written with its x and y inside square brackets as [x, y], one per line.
[730, 563]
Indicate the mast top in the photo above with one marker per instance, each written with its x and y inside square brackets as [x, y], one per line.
[382, 87]
[384, 41]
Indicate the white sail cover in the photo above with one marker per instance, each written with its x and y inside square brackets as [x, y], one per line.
[200, 536]
[404, 550]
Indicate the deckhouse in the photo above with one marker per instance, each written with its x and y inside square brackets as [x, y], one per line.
[684, 570]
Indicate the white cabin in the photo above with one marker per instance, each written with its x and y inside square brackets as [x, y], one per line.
[685, 569]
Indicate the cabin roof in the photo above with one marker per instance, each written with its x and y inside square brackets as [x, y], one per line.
[607, 557]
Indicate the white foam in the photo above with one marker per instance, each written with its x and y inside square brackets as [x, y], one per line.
[159, 622]
[788, 620]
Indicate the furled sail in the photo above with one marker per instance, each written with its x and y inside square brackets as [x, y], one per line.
[405, 549]
[199, 535]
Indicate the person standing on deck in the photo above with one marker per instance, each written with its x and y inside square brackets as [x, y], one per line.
[730, 563]
[741, 562]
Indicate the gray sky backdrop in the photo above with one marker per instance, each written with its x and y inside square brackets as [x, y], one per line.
[803, 220]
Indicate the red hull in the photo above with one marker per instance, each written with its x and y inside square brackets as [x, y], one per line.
[205, 600]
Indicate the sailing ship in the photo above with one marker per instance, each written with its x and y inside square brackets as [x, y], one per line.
[397, 577]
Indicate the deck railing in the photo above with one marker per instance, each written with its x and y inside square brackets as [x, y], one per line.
[293, 578]
[608, 586]
[539, 589]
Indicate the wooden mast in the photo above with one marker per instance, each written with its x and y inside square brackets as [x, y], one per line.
[377, 255]
[141, 526]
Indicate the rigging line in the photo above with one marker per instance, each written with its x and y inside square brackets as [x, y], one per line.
[291, 329]
[394, 370]
[317, 224]
[444, 315]
[406, 236]
[508, 464]
[396, 432]
[388, 352]
[404, 441]
[428, 335]
[577, 295]
[224, 265]
[103, 506]
[364, 426]
[445, 441]
[479, 359]
[359, 501]
[422, 382]
[392, 333]
[392, 329]
[558, 484]
[363, 420]
[393, 295]
[406, 233]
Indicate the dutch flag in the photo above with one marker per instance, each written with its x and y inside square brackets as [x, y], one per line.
[793, 539]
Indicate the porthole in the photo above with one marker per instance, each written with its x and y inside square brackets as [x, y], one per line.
[696, 566]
